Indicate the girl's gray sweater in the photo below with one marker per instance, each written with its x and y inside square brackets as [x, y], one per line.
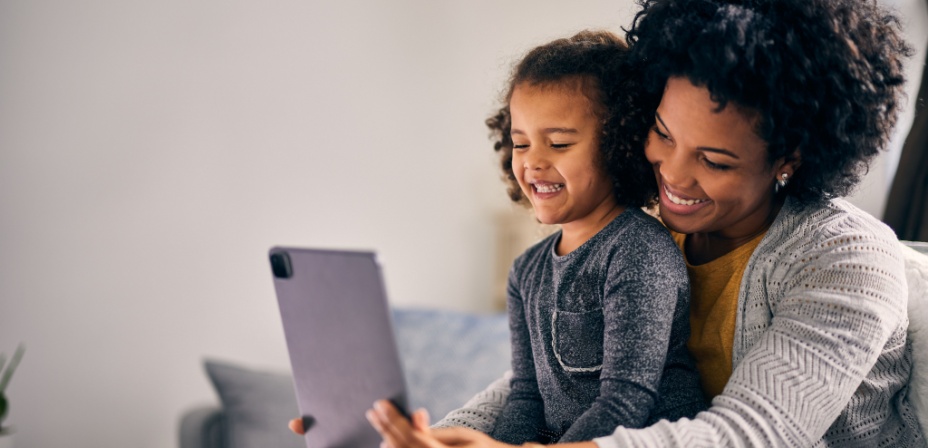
[820, 355]
[596, 332]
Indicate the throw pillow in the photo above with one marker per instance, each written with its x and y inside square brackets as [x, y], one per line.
[257, 405]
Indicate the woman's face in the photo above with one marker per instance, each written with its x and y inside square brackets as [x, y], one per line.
[711, 166]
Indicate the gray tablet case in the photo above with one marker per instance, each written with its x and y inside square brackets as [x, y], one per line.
[340, 339]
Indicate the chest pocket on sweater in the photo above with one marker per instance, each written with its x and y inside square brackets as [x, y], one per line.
[577, 340]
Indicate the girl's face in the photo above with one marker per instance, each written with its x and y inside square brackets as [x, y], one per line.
[711, 166]
[555, 135]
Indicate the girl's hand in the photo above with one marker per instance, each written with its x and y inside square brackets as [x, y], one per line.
[296, 425]
[398, 432]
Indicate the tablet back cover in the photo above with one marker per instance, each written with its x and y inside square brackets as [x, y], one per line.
[340, 339]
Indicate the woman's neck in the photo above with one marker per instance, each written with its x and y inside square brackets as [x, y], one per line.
[703, 247]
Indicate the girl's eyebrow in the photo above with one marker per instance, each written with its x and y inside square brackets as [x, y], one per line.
[549, 131]
[700, 148]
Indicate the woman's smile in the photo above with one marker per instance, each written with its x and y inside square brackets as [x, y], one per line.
[680, 203]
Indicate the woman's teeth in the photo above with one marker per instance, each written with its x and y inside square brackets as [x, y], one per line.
[548, 188]
[681, 201]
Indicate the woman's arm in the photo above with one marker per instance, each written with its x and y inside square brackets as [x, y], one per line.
[398, 432]
[837, 311]
[480, 412]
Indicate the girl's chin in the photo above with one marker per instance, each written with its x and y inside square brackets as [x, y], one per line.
[547, 218]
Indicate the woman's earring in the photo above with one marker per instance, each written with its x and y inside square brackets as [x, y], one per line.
[781, 183]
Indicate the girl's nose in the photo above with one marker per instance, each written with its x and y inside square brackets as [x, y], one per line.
[534, 160]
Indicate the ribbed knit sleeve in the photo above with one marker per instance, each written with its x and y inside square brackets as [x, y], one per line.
[480, 412]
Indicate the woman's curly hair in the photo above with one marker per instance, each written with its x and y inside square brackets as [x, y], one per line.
[824, 76]
[597, 59]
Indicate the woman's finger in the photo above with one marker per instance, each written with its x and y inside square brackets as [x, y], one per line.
[393, 435]
[400, 432]
[394, 423]
[465, 437]
[420, 420]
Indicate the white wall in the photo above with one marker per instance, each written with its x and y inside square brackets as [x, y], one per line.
[871, 193]
[151, 152]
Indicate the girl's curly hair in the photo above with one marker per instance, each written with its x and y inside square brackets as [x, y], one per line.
[824, 76]
[598, 60]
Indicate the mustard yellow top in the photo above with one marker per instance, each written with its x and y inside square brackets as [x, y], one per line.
[713, 308]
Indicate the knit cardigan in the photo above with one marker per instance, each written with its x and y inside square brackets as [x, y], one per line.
[820, 353]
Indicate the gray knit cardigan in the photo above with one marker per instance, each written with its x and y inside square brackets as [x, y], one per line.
[820, 353]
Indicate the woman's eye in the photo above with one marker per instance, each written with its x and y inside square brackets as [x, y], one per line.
[660, 134]
[716, 166]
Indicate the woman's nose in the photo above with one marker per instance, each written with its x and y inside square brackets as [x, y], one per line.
[675, 169]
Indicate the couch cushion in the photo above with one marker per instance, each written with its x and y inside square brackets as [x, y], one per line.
[257, 404]
[450, 356]
[447, 357]
[916, 270]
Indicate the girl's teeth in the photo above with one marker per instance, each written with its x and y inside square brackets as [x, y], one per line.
[680, 201]
[548, 188]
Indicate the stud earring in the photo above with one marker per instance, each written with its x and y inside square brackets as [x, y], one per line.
[781, 183]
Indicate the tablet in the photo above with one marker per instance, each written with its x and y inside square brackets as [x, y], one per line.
[339, 335]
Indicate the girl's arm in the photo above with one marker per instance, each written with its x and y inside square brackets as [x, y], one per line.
[522, 417]
[646, 283]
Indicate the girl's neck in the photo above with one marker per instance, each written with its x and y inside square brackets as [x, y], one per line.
[575, 233]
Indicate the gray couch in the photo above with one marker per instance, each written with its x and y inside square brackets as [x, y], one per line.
[448, 357]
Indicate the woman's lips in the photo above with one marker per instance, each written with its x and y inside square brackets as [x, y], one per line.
[679, 205]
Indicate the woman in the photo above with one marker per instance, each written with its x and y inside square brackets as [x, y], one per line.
[766, 112]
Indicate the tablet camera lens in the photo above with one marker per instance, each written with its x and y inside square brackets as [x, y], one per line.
[280, 264]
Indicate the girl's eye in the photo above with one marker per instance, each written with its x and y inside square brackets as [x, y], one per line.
[561, 145]
[517, 146]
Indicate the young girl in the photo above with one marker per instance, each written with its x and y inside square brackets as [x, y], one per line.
[599, 310]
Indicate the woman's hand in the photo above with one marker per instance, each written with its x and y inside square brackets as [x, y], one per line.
[398, 432]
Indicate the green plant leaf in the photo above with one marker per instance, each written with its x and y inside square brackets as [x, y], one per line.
[14, 362]
[3, 408]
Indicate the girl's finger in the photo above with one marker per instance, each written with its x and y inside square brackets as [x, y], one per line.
[296, 425]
